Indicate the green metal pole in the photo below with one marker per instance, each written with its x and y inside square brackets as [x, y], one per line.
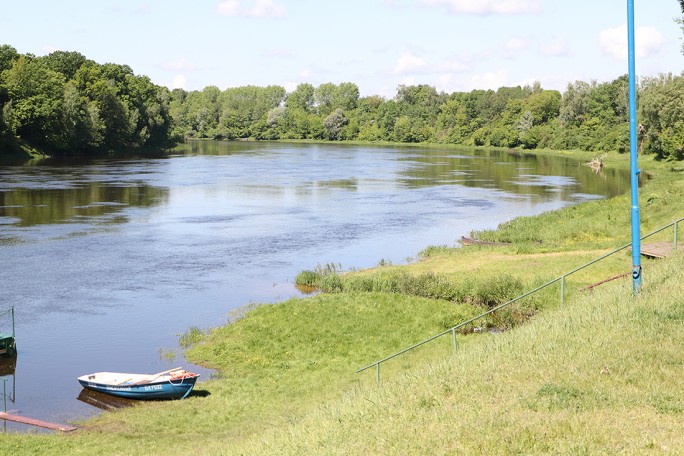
[453, 332]
[377, 373]
[4, 393]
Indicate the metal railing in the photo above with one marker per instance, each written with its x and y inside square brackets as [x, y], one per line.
[453, 329]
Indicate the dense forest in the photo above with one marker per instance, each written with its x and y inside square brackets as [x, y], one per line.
[63, 103]
[587, 116]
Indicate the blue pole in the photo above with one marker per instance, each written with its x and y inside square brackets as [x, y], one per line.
[634, 170]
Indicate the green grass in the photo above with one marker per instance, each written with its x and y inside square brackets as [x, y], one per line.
[600, 375]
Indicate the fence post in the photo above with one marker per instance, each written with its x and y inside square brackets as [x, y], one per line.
[674, 243]
[453, 333]
[377, 373]
[4, 394]
[562, 296]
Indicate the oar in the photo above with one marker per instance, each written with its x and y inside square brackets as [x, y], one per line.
[152, 377]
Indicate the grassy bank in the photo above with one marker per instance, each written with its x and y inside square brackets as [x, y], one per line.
[599, 375]
[602, 376]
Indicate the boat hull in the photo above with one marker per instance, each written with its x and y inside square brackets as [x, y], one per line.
[164, 388]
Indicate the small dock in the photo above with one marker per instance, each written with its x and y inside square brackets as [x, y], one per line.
[8, 344]
[34, 422]
[657, 249]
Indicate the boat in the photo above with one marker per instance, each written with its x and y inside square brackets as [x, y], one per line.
[171, 384]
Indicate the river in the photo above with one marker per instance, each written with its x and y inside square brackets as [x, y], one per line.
[108, 261]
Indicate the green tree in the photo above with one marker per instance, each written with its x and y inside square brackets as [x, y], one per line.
[301, 98]
[66, 63]
[324, 96]
[346, 96]
[544, 105]
[661, 113]
[35, 97]
[575, 103]
[680, 20]
[82, 128]
[243, 106]
[334, 122]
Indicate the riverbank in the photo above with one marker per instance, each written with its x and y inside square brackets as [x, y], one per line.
[287, 367]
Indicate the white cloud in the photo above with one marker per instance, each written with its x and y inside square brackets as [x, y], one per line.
[648, 41]
[409, 63]
[179, 82]
[277, 53]
[256, 8]
[491, 80]
[556, 48]
[290, 86]
[229, 7]
[453, 66]
[409, 81]
[266, 8]
[516, 44]
[488, 6]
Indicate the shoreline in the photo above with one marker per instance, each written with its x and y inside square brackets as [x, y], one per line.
[280, 363]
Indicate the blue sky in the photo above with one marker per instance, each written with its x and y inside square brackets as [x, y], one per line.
[453, 45]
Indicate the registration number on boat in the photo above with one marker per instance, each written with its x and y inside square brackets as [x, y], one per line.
[153, 387]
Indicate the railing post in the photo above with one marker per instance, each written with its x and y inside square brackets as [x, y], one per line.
[562, 293]
[4, 394]
[453, 333]
[377, 373]
[674, 242]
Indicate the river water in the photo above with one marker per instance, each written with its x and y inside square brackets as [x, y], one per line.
[107, 262]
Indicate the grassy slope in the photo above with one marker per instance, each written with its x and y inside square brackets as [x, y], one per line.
[600, 376]
[281, 362]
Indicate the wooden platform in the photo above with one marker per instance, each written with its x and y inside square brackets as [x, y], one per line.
[34, 422]
[658, 249]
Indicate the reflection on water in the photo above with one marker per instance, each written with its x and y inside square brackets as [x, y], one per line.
[74, 192]
[103, 401]
[109, 261]
[8, 365]
[8, 368]
[512, 172]
[92, 202]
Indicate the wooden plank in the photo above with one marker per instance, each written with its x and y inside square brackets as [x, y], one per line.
[34, 422]
[592, 286]
[657, 249]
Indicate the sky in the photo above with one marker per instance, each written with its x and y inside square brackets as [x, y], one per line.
[452, 45]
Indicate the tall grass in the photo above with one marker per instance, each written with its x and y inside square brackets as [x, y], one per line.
[600, 377]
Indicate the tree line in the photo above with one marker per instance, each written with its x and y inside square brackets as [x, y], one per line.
[587, 115]
[63, 103]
